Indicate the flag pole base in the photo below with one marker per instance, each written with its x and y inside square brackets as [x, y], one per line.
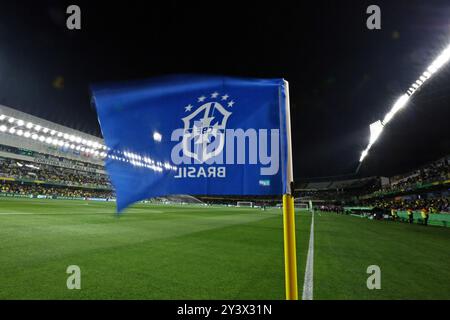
[290, 253]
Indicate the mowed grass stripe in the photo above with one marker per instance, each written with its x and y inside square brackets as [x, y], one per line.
[185, 252]
[414, 259]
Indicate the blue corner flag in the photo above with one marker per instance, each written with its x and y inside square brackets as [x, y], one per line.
[197, 135]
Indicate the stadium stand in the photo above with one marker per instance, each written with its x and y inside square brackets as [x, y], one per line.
[423, 189]
[44, 159]
[39, 158]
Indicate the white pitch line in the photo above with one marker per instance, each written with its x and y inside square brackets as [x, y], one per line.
[309, 272]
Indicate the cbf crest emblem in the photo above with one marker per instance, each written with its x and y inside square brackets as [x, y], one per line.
[204, 128]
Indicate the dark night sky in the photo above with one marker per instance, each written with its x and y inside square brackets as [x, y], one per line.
[342, 75]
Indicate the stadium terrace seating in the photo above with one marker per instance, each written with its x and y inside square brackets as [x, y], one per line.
[424, 187]
[11, 168]
[38, 190]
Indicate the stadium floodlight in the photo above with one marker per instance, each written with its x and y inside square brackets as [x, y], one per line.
[3, 128]
[60, 134]
[34, 136]
[53, 132]
[20, 123]
[29, 125]
[41, 138]
[48, 140]
[27, 134]
[19, 132]
[442, 59]
[2, 117]
[375, 131]
[364, 154]
[45, 130]
[37, 128]
[12, 130]
[11, 120]
[399, 104]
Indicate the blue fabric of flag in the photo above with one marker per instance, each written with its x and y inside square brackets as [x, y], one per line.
[197, 135]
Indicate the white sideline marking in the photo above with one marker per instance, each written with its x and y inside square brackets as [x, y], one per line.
[308, 283]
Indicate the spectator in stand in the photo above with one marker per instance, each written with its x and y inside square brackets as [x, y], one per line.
[425, 215]
[410, 215]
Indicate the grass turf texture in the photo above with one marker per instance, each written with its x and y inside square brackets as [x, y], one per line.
[150, 252]
[190, 252]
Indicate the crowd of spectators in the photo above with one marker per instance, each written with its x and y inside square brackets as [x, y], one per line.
[434, 205]
[330, 208]
[26, 170]
[433, 172]
[34, 189]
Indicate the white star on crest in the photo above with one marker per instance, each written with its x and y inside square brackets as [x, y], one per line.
[201, 99]
[188, 108]
[214, 94]
[230, 104]
[225, 97]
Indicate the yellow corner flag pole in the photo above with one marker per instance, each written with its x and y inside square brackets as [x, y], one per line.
[290, 253]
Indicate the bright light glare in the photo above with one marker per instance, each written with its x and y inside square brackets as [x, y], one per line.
[157, 136]
[401, 103]
[443, 58]
[375, 131]
[377, 127]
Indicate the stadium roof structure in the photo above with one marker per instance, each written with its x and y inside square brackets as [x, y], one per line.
[22, 130]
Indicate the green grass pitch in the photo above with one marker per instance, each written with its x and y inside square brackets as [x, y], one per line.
[193, 252]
